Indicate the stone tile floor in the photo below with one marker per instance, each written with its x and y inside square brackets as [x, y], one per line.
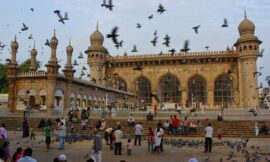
[77, 151]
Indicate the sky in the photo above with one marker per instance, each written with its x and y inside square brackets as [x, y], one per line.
[177, 21]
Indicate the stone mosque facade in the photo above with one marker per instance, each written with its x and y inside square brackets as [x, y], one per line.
[211, 79]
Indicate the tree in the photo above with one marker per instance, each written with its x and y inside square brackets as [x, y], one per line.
[3, 78]
[23, 67]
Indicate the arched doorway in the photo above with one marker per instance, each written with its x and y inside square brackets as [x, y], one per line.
[42, 99]
[197, 93]
[31, 97]
[223, 92]
[143, 92]
[20, 100]
[59, 100]
[170, 89]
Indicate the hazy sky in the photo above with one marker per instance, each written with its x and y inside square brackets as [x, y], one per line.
[177, 22]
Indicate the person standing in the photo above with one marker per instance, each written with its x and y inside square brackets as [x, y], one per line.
[47, 129]
[97, 147]
[150, 138]
[25, 127]
[62, 135]
[208, 138]
[138, 133]
[118, 141]
[3, 134]
[129, 147]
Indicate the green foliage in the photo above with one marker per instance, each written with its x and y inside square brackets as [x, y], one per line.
[3, 80]
[23, 67]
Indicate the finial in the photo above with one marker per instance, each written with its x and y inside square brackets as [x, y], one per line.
[34, 44]
[97, 24]
[54, 32]
[15, 38]
[245, 13]
[69, 43]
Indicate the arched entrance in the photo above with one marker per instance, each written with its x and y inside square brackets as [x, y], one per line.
[197, 93]
[223, 93]
[59, 100]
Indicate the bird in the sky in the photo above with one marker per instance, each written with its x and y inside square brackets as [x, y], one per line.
[160, 9]
[196, 28]
[113, 35]
[185, 48]
[150, 17]
[267, 78]
[2, 45]
[47, 43]
[134, 49]
[109, 5]
[8, 61]
[155, 33]
[138, 25]
[257, 73]
[32, 9]
[88, 75]
[167, 40]
[24, 27]
[261, 53]
[119, 44]
[172, 51]
[30, 36]
[207, 48]
[75, 63]
[80, 56]
[154, 41]
[225, 23]
[83, 68]
[57, 11]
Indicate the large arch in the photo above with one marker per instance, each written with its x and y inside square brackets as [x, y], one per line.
[223, 90]
[42, 98]
[59, 100]
[120, 84]
[143, 90]
[169, 89]
[197, 93]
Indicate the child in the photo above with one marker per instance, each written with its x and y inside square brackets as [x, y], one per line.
[129, 147]
[150, 137]
[256, 129]
[32, 134]
[219, 133]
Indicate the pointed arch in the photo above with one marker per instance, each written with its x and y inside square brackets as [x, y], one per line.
[121, 84]
[169, 89]
[197, 92]
[223, 91]
[143, 89]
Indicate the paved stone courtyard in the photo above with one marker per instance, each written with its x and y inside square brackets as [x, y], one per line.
[77, 151]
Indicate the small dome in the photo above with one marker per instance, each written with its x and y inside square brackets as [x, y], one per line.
[97, 38]
[246, 27]
[69, 49]
[54, 40]
[14, 44]
[34, 52]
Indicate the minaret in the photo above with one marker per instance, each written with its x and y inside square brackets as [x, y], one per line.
[11, 76]
[247, 47]
[97, 55]
[33, 67]
[52, 66]
[69, 71]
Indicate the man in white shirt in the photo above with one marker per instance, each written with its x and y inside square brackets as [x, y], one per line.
[27, 156]
[208, 138]
[138, 133]
[62, 135]
[131, 120]
[118, 141]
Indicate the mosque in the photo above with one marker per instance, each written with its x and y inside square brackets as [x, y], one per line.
[210, 79]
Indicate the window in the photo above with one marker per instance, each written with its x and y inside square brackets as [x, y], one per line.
[223, 93]
[170, 89]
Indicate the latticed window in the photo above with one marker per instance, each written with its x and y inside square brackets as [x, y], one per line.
[223, 93]
[197, 91]
[121, 84]
[170, 89]
[144, 91]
